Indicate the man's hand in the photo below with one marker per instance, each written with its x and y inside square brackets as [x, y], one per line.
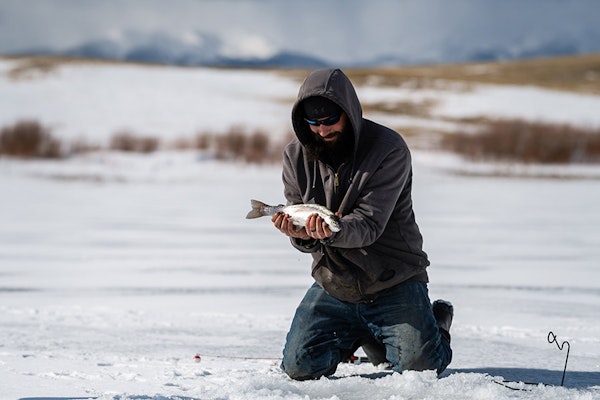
[316, 227]
[284, 223]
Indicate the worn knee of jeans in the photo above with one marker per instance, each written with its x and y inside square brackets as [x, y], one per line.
[303, 364]
[313, 345]
[407, 349]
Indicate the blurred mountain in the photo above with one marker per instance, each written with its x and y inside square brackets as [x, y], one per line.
[204, 49]
[165, 50]
[310, 33]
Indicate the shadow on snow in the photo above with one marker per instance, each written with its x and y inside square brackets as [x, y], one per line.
[573, 379]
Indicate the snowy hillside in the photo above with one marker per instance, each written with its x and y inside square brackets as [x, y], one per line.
[117, 269]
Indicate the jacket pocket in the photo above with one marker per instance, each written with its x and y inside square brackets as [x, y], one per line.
[371, 265]
[339, 279]
[377, 271]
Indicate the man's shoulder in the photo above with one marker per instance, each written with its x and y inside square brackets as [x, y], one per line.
[382, 136]
[293, 146]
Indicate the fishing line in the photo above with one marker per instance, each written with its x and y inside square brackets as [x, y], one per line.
[350, 360]
[198, 358]
[552, 338]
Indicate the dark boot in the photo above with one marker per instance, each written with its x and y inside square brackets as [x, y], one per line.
[443, 311]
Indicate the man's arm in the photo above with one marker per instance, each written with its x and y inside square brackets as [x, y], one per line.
[372, 210]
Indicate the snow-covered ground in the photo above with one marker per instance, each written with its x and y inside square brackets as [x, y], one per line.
[116, 270]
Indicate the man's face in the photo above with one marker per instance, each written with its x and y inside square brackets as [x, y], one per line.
[329, 134]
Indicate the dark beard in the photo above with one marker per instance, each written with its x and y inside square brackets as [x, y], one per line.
[332, 153]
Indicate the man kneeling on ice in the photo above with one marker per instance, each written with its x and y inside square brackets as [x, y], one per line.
[371, 280]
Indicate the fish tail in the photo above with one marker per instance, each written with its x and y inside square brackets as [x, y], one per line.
[257, 209]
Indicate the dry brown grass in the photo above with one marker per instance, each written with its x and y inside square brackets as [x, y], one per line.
[31, 67]
[29, 139]
[571, 73]
[130, 142]
[28, 67]
[504, 140]
[240, 145]
[580, 73]
[518, 140]
[575, 73]
[527, 142]
[420, 109]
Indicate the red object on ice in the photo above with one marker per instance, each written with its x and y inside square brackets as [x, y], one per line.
[197, 358]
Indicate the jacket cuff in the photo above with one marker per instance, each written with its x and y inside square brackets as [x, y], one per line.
[305, 246]
[329, 241]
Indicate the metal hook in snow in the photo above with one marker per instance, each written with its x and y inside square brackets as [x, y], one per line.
[552, 339]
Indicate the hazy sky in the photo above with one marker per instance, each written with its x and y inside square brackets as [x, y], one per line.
[335, 30]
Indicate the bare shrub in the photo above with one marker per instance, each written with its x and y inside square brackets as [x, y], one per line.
[237, 144]
[529, 142]
[181, 144]
[204, 141]
[127, 141]
[278, 147]
[413, 108]
[258, 148]
[80, 146]
[29, 139]
[231, 145]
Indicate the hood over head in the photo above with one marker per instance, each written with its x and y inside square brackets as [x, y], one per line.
[331, 84]
[317, 107]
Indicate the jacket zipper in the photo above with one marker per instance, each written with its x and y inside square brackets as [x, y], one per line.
[336, 182]
[336, 178]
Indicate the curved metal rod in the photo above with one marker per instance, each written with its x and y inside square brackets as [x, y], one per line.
[552, 339]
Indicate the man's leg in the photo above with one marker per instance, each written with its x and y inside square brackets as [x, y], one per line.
[402, 319]
[324, 332]
[375, 351]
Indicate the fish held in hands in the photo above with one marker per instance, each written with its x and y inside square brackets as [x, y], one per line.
[298, 213]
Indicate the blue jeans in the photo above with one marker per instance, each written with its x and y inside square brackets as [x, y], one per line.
[326, 331]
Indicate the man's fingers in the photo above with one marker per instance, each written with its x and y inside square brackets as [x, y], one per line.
[317, 228]
[310, 224]
[277, 220]
[284, 223]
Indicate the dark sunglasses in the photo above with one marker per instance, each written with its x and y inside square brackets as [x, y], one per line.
[327, 121]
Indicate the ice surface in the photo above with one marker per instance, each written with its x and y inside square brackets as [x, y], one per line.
[111, 286]
[116, 270]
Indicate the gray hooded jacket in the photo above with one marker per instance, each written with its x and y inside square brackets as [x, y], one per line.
[379, 245]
